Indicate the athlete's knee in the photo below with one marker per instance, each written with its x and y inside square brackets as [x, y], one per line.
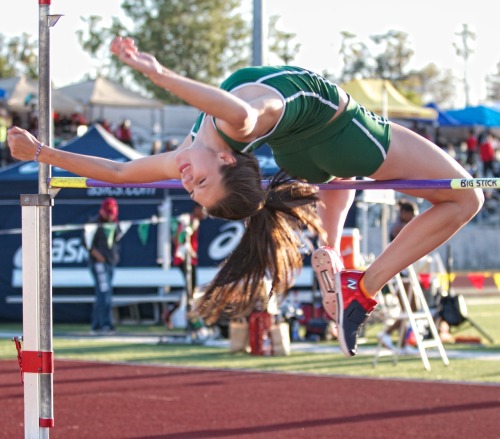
[477, 200]
[470, 203]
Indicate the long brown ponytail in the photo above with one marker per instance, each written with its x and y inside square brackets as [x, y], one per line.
[270, 246]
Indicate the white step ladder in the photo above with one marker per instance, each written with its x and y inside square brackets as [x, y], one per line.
[412, 318]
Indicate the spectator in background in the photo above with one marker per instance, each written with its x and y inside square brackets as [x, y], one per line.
[4, 126]
[471, 147]
[487, 154]
[78, 119]
[64, 126]
[104, 255]
[33, 125]
[16, 119]
[408, 210]
[105, 124]
[422, 130]
[440, 140]
[171, 145]
[472, 150]
[185, 242]
[156, 148]
[124, 133]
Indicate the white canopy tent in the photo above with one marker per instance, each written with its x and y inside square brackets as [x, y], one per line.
[21, 93]
[103, 98]
[107, 93]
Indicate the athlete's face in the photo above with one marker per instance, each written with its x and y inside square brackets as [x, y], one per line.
[200, 173]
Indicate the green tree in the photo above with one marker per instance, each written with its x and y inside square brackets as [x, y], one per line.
[201, 39]
[395, 56]
[430, 85]
[281, 42]
[357, 59]
[388, 57]
[93, 41]
[18, 56]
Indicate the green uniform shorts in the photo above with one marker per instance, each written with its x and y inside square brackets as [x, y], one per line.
[353, 145]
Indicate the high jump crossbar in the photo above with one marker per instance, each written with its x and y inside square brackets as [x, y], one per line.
[454, 183]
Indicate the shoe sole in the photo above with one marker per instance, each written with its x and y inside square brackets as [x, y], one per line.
[322, 266]
[340, 324]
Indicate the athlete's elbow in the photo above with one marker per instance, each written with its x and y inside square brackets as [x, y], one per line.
[244, 120]
[116, 172]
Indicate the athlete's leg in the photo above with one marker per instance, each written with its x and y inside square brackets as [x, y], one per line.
[326, 261]
[410, 157]
[333, 213]
[413, 157]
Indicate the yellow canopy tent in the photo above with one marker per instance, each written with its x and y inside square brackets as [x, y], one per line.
[381, 97]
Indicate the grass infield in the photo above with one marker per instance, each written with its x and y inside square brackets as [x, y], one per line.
[468, 362]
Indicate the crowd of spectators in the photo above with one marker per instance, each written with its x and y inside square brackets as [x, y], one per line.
[66, 127]
[477, 149]
[69, 126]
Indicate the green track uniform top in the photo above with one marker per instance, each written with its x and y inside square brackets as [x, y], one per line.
[303, 142]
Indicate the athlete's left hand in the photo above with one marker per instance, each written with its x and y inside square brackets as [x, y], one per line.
[126, 50]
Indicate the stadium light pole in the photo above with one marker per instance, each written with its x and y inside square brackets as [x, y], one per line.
[259, 34]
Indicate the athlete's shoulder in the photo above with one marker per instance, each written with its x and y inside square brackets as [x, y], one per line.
[257, 74]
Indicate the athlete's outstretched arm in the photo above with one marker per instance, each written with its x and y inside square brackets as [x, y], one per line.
[212, 100]
[24, 146]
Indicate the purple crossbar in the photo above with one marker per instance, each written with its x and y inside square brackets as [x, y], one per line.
[164, 184]
[388, 184]
[350, 184]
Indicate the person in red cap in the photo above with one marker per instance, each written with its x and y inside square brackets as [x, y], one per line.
[104, 255]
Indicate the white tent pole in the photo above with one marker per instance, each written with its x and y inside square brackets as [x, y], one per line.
[385, 100]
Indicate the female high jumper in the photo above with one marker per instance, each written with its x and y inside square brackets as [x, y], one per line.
[317, 134]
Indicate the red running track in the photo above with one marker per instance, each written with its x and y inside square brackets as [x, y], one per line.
[110, 401]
